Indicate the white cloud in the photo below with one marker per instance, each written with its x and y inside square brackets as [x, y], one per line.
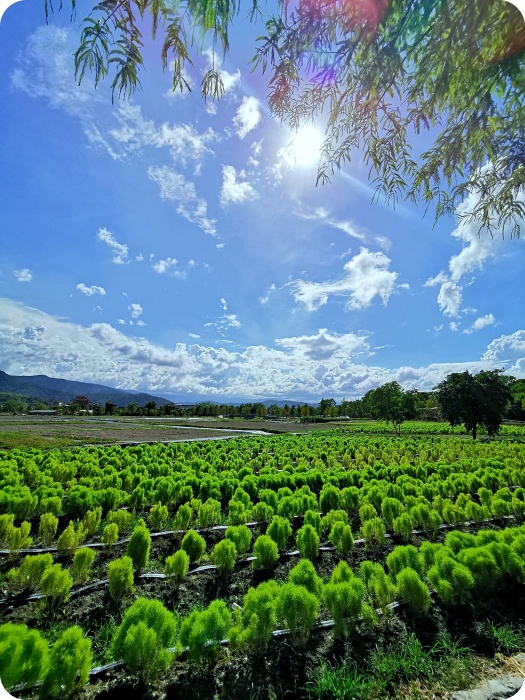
[265, 299]
[119, 249]
[229, 80]
[139, 257]
[24, 275]
[302, 367]
[211, 107]
[248, 116]
[162, 265]
[450, 298]
[454, 327]
[140, 323]
[440, 278]
[480, 323]
[176, 189]
[367, 276]
[121, 322]
[224, 304]
[136, 310]
[234, 190]
[194, 335]
[89, 291]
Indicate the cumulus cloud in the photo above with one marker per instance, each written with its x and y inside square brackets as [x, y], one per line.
[136, 310]
[450, 298]
[120, 250]
[248, 116]
[161, 266]
[480, 323]
[176, 189]
[367, 276]
[90, 291]
[295, 368]
[233, 189]
[24, 275]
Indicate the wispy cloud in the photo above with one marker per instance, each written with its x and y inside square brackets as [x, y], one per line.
[161, 266]
[248, 116]
[120, 250]
[233, 189]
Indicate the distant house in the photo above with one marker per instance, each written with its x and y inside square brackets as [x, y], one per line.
[81, 401]
[42, 412]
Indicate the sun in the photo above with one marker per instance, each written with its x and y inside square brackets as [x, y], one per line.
[305, 147]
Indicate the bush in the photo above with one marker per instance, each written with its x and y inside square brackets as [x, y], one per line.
[403, 526]
[312, 517]
[329, 498]
[367, 512]
[391, 509]
[19, 538]
[345, 602]
[265, 552]
[373, 532]
[138, 547]
[237, 513]
[259, 616]
[194, 545]
[411, 589]
[483, 567]
[56, 584]
[401, 558]
[183, 517]
[67, 542]
[78, 501]
[209, 513]
[24, 655]
[29, 575]
[279, 530]
[381, 589]
[451, 580]
[82, 562]
[120, 575]
[262, 512]
[158, 515]
[304, 574]
[334, 516]
[341, 573]
[48, 527]
[202, 631]
[241, 536]
[69, 663]
[147, 630]
[6, 525]
[342, 539]
[110, 534]
[307, 542]
[121, 518]
[223, 556]
[176, 567]
[298, 608]
[91, 520]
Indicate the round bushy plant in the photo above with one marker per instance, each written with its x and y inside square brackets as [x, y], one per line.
[297, 607]
[69, 663]
[24, 655]
[176, 567]
[304, 574]
[241, 536]
[138, 547]
[120, 575]
[223, 556]
[194, 545]
[265, 552]
[307, 541]
[279, 530]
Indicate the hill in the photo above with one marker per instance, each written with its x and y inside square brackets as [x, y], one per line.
[50, 389]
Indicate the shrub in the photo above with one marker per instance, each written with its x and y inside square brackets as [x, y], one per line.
[209, 513]
[241, 536]
[48, 527]
[202, 631]
[138, 547]
[19, 538]
[176, 567]
[298, 608]
[381, 589]
[401, 558]
[279, 530]
[304, 574]
[391, 509]
[367, 512]
[411, 589]
[403, 526]
[265, 552]
[91, 520]
[341, 573]
[507, 561]
[342, 539]
[120, 575]
[237, 513]
[158, 515]
[56, 584]
[312, 517]
[334, 516]
[29, 575]
[24, 655]
[223, 556]
[194, 545]
[121, 518]
[262, 512]
[307, 541]
[183, 517]
[259, 616]
[110, 534]
[288, 507]
[78, 501]
[349, 498]
[428, 552]
[143, 637]
[482, 565]
[329, 498]
[373, 532]
[82, 562]
[69, 663]
[451, 580]
[67, 542]
[6, 525]
[456, 541]
[345, 602]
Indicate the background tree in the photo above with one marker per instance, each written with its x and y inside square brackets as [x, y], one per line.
[475, 400]
[382, 71]
[392, 404]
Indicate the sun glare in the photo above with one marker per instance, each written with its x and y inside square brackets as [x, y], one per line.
[305, 147]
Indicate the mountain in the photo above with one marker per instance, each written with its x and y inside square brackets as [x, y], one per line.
[50, 389]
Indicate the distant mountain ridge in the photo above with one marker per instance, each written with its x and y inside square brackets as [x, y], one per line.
[47, 388]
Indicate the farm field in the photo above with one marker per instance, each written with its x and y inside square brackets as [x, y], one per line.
[263, 566]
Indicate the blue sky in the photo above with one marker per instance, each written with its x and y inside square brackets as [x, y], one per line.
[181, 247]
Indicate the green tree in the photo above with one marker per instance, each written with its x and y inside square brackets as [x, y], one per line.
[475, 400]
[392, 404]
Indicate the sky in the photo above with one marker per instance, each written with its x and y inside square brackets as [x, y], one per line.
[181, 247]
